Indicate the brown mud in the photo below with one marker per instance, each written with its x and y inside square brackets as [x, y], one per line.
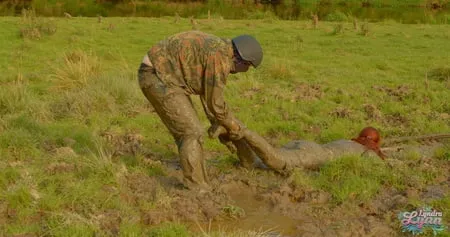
[262, 200]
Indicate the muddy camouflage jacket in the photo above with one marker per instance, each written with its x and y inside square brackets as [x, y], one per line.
[197, 63]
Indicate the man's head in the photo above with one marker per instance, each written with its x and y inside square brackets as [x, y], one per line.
[370, 134]
[247, 51]
[371, 139]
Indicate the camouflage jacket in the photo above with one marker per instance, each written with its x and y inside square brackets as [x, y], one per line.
[197, 63]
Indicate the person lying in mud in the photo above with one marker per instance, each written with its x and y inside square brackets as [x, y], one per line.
[253, 148]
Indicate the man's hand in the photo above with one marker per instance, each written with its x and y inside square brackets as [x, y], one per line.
[219, 131]
[235, 133]
[215, 130]
[236, 130]
[226, 136]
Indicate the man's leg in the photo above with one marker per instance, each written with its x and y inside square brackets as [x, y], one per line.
[178, 114]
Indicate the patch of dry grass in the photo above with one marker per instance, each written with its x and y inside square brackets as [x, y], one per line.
[78, 69]
[34, 28]
[236, 233]
[14, 97]
[365, 29]
[280, 70]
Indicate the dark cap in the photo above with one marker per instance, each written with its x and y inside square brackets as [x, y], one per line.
[249, 49]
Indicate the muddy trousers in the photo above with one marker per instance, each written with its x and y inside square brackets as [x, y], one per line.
[178, 114]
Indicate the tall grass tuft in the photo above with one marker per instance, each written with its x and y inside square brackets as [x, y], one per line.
[81, 104]
[280, 71]
[315, 20]
[107, 94]
[18, 97]
[34, 28]
[443, 153]
[78, 69]
[338, 29]
[14, 98]
[365, 29]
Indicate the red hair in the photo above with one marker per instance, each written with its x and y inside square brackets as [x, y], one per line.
[371, 139]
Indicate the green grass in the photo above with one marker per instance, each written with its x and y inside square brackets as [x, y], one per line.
[359, 180]
[62, 92]
[169, 230]
[410, 11]
[352, 178]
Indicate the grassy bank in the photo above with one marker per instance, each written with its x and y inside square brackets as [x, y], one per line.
[75, 129]
[411, 11]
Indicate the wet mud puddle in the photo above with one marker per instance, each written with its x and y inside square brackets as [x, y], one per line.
[250, 212]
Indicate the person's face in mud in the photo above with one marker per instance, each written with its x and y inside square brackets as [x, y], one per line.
[240, 65]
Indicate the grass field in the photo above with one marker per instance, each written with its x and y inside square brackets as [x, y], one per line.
[405, 11]
[75, 127]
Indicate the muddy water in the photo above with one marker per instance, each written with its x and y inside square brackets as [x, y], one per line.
[257, 218]
[258, 215]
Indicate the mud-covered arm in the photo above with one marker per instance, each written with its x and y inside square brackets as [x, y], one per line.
[212, 119]
[216, 72]
[272, 157]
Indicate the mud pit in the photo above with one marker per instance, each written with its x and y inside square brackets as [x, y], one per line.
[261, 200]
[239, 200]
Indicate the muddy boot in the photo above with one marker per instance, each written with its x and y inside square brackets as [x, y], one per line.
[193, 164]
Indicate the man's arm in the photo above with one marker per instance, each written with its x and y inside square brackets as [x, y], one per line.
[217, 69]
[208, 113]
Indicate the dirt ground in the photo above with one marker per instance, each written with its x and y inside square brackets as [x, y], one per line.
[263, 200]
